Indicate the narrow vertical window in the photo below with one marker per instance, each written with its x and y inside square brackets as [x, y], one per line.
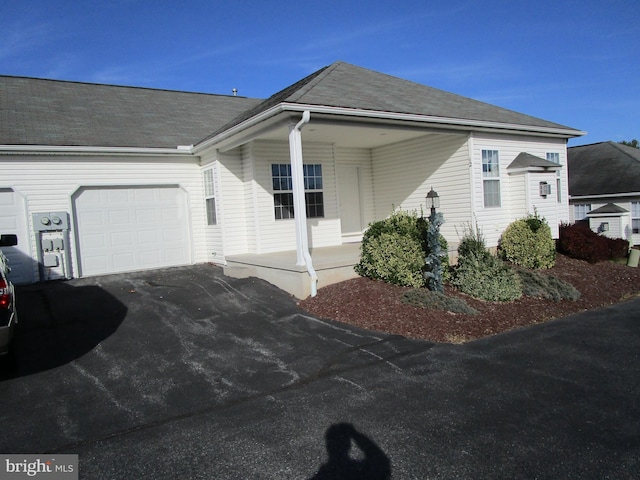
[491, 178]
[555, 158]
[210, 197]
[635, 217]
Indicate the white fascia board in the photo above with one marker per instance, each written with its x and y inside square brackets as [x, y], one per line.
[457, 123]
[74, 150]
[463, 123]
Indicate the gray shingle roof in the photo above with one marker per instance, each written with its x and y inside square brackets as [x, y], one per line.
[348, 86]
[59, 113]
[524, 160]
[609, 208]
[603, 168]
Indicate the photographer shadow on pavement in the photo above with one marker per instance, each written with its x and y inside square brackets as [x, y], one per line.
[341, 465]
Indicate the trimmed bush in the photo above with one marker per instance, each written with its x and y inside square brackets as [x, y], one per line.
[428, 299]
[579, 241]
[393, 258]
[482, 275]
[535, 284]
[394, 250]
[527, 242]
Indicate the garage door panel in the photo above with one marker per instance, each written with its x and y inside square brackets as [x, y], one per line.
[13, 221]
[131, 228]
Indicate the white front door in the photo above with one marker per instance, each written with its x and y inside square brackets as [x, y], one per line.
[350, 205]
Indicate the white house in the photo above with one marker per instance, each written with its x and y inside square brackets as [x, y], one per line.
[604, 188]
[98, 179]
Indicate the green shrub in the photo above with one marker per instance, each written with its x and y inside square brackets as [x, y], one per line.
[393, 258]
[482, 275]
[528, 243]
[428, 299]
[535, 284]
[394, 250]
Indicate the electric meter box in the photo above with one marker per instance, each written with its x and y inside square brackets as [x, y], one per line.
[45, 222]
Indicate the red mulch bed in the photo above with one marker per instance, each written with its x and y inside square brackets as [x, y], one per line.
[377, 306]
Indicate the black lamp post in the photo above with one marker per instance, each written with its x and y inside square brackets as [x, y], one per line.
[433, 201]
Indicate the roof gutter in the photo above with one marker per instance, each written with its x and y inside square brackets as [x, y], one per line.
[411, 117]
[604, 195]
[382, 115]
[186, 151]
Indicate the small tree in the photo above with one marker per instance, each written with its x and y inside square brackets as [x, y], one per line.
[433, 262]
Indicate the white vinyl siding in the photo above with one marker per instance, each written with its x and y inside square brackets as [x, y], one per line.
[48, 183]
[493, 221]
[278, 235]
[403, 174]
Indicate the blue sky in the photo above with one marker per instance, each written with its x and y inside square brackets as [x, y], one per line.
[572, 62]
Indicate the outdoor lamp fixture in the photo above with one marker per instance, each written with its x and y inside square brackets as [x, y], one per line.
[433, 201]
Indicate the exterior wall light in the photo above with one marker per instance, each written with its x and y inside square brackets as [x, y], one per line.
[433, 201]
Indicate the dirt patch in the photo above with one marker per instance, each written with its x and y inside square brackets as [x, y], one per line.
[378, 306]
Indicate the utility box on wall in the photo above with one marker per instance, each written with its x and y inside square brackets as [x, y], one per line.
[52, 243]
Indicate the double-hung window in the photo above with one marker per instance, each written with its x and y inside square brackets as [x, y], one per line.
[555, 158]
[210, 197]
[491, 178]
[282, 183]
[580, 211]
[635, 217]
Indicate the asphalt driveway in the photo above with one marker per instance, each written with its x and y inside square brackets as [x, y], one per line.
[185, 373]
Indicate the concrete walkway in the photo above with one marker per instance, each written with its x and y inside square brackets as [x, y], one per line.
[185, 373]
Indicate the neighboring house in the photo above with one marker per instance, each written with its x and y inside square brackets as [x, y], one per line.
[604, 188]
[101, 179]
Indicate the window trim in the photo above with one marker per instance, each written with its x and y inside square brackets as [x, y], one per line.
[210, 203]
[556, 155]
[282, 189]
[491, 175]
[635, 217]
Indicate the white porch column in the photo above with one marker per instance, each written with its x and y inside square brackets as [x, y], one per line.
[297, 177]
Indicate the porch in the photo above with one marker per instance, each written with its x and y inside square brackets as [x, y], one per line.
[332, 265]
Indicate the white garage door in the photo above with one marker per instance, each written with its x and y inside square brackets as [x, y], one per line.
[132, 228]
[13, 220]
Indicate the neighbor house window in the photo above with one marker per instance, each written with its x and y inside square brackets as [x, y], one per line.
[635, 217]
[491, 178]
[283, 190]
[210, 197]
[580, 211]
[555, 158]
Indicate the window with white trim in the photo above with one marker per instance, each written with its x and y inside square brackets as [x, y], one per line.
[580, 211]
[635, 217]
[282, 183]
[555, 158]
[210, 197]
[491, 178]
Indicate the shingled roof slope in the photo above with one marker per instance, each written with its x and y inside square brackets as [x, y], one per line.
[60, 113]
[349, 86]
[603, 168]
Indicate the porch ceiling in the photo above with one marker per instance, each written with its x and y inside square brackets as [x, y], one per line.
[347, 134]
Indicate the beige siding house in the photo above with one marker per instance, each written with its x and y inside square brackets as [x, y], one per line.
[282, 189]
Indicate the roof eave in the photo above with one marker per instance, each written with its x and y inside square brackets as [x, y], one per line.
[451, 123]
[93, 150]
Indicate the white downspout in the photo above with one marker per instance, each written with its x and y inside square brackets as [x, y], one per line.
[303, 257]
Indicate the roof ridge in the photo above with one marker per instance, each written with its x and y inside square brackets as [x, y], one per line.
[318, 76]
[110, 85]
[627, 151]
